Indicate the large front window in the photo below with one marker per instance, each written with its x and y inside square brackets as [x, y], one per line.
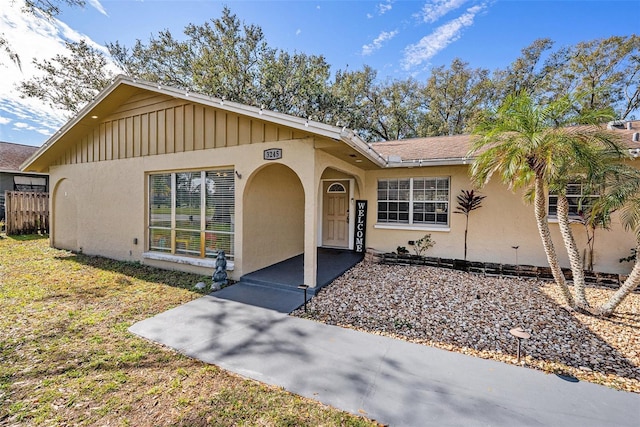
[192, 213]
[414, 201]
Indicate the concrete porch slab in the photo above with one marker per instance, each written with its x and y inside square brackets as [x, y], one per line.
[289, 274]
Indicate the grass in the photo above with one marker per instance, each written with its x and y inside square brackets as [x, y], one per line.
[66, 357]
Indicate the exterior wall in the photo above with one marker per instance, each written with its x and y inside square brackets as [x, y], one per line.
[111, 204]
[106, 175]
[502, 222]
[273, 217]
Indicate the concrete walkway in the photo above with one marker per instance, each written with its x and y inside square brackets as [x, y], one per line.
[391, 381]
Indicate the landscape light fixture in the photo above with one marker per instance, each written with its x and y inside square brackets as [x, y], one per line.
[520, 334]
[516, 249]
[304, 288]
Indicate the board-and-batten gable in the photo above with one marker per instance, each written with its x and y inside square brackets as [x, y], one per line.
[153, 124]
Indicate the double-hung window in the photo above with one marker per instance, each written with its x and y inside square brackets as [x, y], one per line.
[578, 197]
[414, 201]
[192, 213]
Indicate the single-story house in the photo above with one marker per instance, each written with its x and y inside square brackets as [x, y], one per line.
[12, 178]
[167, 177]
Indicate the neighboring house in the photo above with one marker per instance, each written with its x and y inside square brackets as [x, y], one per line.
[11, 178]
[167, 177]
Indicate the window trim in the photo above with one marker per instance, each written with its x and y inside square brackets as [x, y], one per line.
[171, 252]
[553, 217]
[342, 189]
[185, 259]
[410, 224]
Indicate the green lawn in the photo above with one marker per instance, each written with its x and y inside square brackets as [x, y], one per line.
[66, 357]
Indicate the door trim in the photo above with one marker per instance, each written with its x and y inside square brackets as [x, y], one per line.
[350, 202]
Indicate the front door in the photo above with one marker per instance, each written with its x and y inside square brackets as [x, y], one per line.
[335, 218]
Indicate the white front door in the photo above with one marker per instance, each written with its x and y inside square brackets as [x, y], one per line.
[335, 217]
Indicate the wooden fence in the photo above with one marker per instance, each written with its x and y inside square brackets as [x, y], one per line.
[26, 212]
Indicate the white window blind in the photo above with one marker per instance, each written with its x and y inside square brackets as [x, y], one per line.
[418, 201]
[192, 213]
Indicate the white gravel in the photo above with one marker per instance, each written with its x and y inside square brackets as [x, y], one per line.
[473, 314]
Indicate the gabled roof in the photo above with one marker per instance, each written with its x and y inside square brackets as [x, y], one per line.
[430, 151]
[123, 87]
[13, 155]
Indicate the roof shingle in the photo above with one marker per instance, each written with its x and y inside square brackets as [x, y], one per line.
[13, 155]
[457, 146]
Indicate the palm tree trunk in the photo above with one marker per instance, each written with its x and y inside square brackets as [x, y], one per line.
[572, 250]
[540, 205]
[627, 287]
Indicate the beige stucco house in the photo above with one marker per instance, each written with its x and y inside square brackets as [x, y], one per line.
[167, 178]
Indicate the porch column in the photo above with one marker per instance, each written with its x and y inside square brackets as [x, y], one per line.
[310, 234]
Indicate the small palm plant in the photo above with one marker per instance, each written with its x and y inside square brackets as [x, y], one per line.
[468, 201]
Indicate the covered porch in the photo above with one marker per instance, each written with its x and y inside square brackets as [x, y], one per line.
[276, 286]
[289, 274]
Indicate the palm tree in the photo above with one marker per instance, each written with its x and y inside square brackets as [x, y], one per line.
[583, 154]
[519, 142]
[623, 194]
[538, 148]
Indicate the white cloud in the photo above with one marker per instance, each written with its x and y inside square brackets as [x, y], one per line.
[21, 126]
[96, 5]
[434, 10]
[4, 120]
[385, 7]
[32, 111]
[384, 36]
[439, 39]
[31, 36]
[298, 32]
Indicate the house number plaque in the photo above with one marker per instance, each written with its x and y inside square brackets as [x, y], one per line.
[273, 154]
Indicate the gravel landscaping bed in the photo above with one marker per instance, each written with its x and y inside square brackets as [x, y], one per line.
[473, 314]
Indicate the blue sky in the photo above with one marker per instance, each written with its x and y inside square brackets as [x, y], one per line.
[398, 38]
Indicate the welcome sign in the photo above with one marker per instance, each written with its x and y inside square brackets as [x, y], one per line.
[361, 226]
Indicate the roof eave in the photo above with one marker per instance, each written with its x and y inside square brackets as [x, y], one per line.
[72, 122]
[350, 138]
[413, 163]
[21, 172]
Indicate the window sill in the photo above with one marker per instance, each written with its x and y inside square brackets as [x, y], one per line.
[198, 262]
[412, 227]
[572, 219]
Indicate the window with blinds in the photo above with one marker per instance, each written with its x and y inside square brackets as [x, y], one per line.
[30, 183]
[192, 213]
[414, 201]
[579, 198]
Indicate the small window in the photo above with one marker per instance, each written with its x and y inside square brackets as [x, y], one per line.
[336, 188]
[577, 196]
[29, 183]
